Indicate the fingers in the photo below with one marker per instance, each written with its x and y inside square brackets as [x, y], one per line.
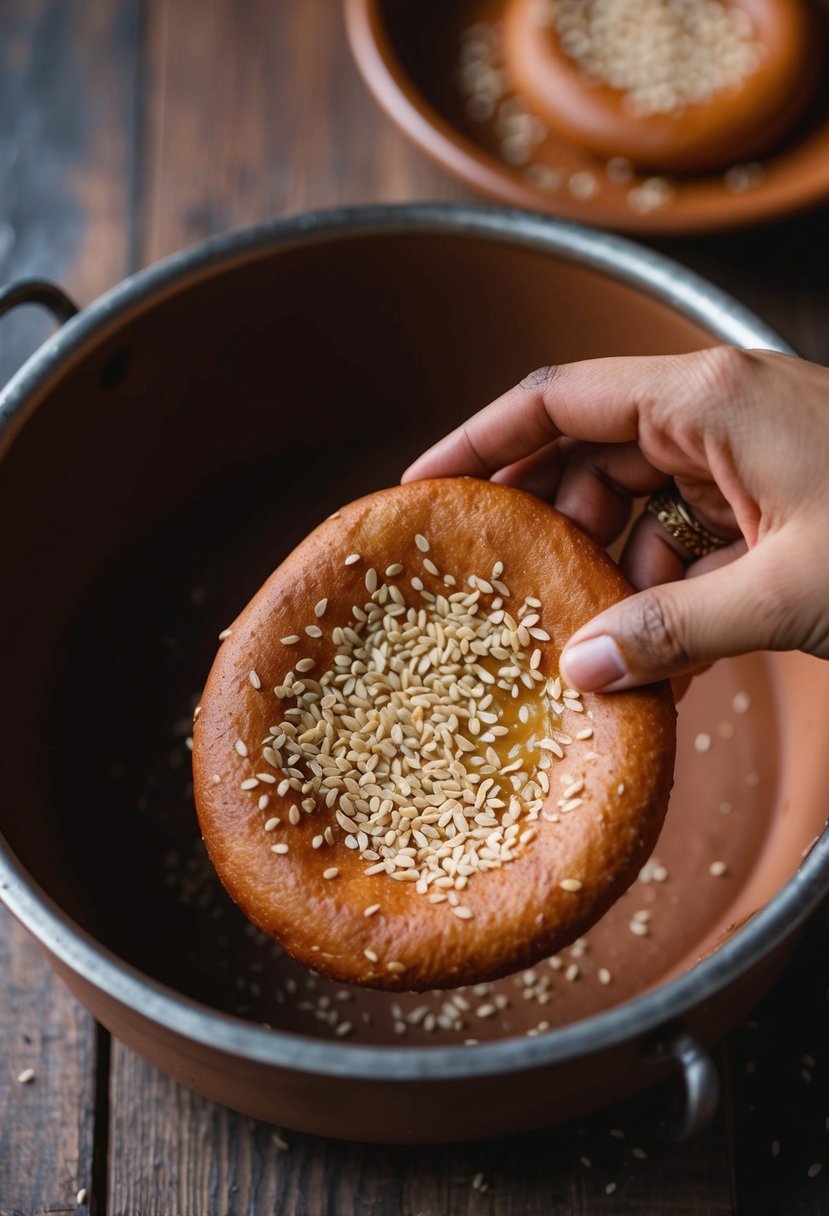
[597, 400]
[674, 628]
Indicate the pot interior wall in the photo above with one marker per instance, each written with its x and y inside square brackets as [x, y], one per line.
[168, 471]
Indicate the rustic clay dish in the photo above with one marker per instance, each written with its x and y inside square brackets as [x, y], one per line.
[160, 455]
[409, 51]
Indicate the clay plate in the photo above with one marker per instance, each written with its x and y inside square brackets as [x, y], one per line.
[409, 52]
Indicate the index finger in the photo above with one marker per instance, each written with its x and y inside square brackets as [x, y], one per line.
[599, 400]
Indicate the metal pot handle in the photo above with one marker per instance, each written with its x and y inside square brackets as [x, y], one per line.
[699, 1073]
[38, 291]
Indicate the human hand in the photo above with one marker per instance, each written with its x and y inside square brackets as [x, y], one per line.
[745, 436]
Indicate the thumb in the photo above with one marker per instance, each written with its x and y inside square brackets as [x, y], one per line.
[673, 628]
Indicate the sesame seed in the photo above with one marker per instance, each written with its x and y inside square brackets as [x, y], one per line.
[241, 747]
[717, 869]
[305, 665]
[371, 956]
[320, 607]
[279, 848]
[290, 640]
[462, 912]
[639, 1154]
[352, 558]
[741, 703]
[814, 1170]
[263, 802]
[82, 1196]
[280, 1143]
[371, 910]
[422, 543]
[26, 1076]
[604, 975]
[702, 743]
[371, 580]
[313, 631]
[331, 872]
[395, 967]
[254, 679]
[250, 783]
[225, 634]
[393, 570]
[272, 823]
[570, 884]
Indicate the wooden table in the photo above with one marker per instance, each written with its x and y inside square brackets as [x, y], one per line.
[128, 129]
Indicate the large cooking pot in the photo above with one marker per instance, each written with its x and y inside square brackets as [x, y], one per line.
[160, 455]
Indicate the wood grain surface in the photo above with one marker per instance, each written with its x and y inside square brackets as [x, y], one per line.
[128, 129]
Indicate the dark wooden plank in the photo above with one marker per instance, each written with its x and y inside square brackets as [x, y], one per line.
[46, 1125]
[257, 111]
[187, 1155]
[66, 118]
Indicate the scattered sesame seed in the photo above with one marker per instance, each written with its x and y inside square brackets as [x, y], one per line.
[639, 1154]
[241, 747]
[290, 640]
[814, 1170]
[280, 1143]
[279, 848]
[331, 872]
[396, 968]
[476, 1181]
[320, 607]
[610, 1188]
[462, 912]
[250, 783]
[741, 703]
[254, 679]
[371, 956]
[26, 1076]
[393, 570]
[263, 802]
[702, 743]
[352, 558]
[604, 975]
[82, 1196]
[422, 543]
[272, 823]
[371, 909]
[717, 869]
[225, 634]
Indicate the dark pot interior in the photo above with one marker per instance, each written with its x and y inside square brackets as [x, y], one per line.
[165, 473]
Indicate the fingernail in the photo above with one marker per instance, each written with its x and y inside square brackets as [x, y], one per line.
[593, 664]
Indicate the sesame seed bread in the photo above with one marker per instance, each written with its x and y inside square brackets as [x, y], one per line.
[581, 815]
[700, 112]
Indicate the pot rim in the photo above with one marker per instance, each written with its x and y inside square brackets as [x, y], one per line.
[659, 277]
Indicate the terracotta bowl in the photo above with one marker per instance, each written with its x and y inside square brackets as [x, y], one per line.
[160, 455]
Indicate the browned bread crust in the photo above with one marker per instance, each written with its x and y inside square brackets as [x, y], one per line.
[521, 913]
